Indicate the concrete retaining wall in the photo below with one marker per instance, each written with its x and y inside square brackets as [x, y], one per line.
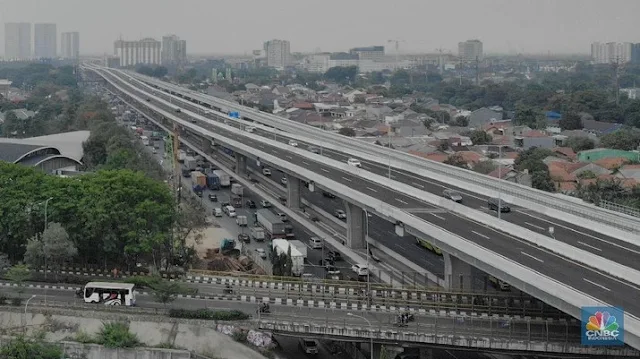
[202, 337]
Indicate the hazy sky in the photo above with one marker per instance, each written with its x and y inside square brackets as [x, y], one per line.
[227, 26]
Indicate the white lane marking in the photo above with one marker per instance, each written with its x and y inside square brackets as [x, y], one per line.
[261, 146]
[289, 157]
[532, 257]
[529, 245]
[435, 215]
[274, 151]
[392, 176]
[597, 285]
[417, 184]
[346, 179]
[305, 163]
[324, 170]
[582, 233]
[590, 246]
[372, 190]
[534, 226]
[480, 234]
[401, 201]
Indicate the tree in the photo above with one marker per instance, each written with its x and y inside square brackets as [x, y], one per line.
[578, 144]
[479, 137]
[571, 121]
[527, 158]
[625, 139]
[22, 348]
[18, 274]
[485, 167]
[347, 131]
[341, 74]
[165, 292]
[53, 249]
[528, 116]
[542, 181]
[456, 160]
[289, 262]
[443, 145]
[460, 121]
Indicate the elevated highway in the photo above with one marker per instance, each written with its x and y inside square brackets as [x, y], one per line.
[574, 233]
[559, 208]
[559, 281]
[461, 331]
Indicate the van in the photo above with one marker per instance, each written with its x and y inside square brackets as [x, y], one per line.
[495, 203]
[315, 242]
[217, 212]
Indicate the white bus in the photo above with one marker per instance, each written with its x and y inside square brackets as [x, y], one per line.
[109, 293]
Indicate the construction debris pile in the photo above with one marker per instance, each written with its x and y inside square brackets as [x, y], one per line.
[230, 262]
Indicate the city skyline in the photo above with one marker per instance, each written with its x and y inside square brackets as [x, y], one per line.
[503, 26]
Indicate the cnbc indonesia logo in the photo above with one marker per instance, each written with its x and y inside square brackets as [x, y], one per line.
[602, 326]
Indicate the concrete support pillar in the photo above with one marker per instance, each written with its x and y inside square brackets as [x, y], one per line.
[457, 274]
[355, 226]
[241, 164]
[293, 192]
[426, 353]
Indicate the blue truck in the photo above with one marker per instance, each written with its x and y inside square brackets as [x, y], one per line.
[213, 181]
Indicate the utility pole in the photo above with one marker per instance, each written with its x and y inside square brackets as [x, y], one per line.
[441, 59]
[397, 47]
[460, 70]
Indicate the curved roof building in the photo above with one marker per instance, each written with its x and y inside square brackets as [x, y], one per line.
[50, 153]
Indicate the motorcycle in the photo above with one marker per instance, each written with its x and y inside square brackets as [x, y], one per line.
[79, 293]
[264, 308]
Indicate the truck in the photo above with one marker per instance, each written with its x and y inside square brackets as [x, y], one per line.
[282, 246]
[237, 189]
[190, 163]
[198, 180]
[301, 247]
[224, 178]
[257, 234]
[227, 245]
[236, 201]
[272, 224]
[241, 221]
[213, 182]
[181, 156]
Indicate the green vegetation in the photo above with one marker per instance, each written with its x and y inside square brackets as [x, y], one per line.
[22, 348]
[51, 249]
[111, 335]
[531, 160]
[18, 274]
[153, 71]
[206, 314]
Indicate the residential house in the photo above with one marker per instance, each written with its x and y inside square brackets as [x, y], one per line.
[281, 91]
[566, 175]
[21, 114]
[219, 92]
[378, 112]
[409, 128]
[508, 173]
[483, 116]
[252, 87]
[600, 128]
[351, 95]
[534, 138]
[600, 153]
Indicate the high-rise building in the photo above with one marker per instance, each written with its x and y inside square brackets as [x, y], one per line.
[45, 41]
[70, 45]
[174, 50]
[470, 50]
[145, 51]
[278, 53]
[375, 53]
[17, 41]
[602, 53]
[635, 53]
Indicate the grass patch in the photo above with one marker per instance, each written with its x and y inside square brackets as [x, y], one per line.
[206, 314]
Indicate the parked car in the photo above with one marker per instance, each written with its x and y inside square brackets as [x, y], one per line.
[452, 195]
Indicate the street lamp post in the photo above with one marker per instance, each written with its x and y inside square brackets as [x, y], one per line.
[499, 183]
[25, 312]
[389, 153]
[366, 236]
[370, 326]
[46, 225]
[46, 212]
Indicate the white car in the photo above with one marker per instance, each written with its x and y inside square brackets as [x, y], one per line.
[293, 143]
[354, 162]
[360, 269]
[266, 172]
[283, 180]
[250, 129]
[265, 204]
[340, 214]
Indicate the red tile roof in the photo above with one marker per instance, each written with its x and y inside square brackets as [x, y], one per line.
[611, 163]
[434, 156]
[534, 133]
[565, 151]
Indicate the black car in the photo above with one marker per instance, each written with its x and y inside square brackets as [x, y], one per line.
[244, 237]
[148, 99]
[213, 198]
[178, 110]
[251, 204]
[224, 204]
[328, 194]
[193, 120]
